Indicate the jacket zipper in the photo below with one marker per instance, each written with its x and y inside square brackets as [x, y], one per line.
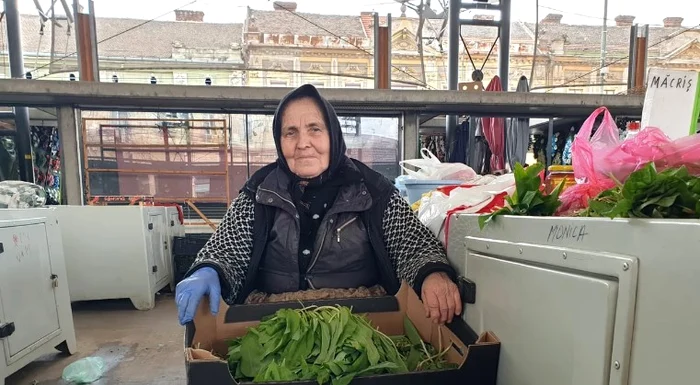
[278, 195]
[343, 227]
[313, 262]
[323, 240]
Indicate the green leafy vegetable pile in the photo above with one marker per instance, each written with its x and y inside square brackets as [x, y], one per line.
[672, 193]
[326, 344]
[528, 199]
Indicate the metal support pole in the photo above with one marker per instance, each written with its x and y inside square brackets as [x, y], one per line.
[603, 48]
[411, 127]
[454, 30]
[631, 66]
[23, 137]
[504, 44]
[93, 41]
[76, 31]
[641, 60]
[72, 190]
[389, 32]
[382, 54]
[377, 53]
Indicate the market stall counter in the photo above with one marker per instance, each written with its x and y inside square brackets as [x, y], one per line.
[469, 359]
[606, 301]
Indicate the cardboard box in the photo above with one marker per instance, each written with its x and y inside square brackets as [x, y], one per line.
[477, 356]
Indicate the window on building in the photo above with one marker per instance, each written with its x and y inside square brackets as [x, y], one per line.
[353, 85]
[277, 83]
[610, 91]
[115, 78]
[576, 90]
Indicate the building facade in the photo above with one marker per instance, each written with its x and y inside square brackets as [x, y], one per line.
[285, 48]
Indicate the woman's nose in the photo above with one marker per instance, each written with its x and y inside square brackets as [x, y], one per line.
[304, 140]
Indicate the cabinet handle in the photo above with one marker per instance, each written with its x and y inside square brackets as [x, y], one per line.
[7, 329]
[54, 280]
[2, 248]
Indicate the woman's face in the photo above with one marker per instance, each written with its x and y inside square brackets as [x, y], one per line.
[306, 143]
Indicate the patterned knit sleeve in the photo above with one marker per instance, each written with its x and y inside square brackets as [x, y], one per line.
[414, 250]
[229, 249]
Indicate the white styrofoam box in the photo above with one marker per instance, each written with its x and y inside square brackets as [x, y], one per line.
[672, 101]
[584, 301]
[116, 252]
[34, 293]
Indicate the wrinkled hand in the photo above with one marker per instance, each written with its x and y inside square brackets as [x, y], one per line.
[441, 298]
[190, 291]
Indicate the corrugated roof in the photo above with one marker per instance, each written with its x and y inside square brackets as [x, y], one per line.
[136, 38]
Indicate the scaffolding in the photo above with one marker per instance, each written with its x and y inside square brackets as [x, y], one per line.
[172, 160]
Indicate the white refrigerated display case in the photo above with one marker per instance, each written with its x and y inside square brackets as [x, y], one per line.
[584, 301]
[116, 252]
[35, 310]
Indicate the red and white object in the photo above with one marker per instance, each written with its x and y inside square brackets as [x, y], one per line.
[480, 196]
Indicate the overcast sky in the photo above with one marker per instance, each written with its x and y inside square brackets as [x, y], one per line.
[223, 11]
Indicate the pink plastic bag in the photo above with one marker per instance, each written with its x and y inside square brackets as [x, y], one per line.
[604, 159]
[584, 152]
[650, 145]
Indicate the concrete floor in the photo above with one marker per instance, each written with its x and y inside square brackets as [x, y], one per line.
[139, 347]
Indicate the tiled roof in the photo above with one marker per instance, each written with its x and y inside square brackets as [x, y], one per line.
[154, 39]
[586, 38]
[307, 24]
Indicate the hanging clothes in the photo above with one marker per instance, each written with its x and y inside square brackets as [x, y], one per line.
[434, 143]
[494, 131]
[47, 161]
[539, 147]
[518, 133]
[482, 152]
[459, 152]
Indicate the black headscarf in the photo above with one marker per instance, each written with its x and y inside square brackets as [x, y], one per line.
[338, 148]
[313, 197]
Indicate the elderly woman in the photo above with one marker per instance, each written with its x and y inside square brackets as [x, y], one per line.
[314, 220]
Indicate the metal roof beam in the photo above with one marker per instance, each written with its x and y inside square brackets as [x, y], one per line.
[113, 96]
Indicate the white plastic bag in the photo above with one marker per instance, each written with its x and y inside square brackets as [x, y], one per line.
[434, 208]
[430, 168]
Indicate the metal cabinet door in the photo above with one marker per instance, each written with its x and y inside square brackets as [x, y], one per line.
[27, 296]
[157, 239]
[556, 326]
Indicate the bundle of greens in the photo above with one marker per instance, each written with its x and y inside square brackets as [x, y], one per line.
[326, 344]
[528, 200]
[672, 193]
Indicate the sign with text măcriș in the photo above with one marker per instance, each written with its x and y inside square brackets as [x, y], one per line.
[672, 102]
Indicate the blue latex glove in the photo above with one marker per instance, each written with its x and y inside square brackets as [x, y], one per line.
[189, 292]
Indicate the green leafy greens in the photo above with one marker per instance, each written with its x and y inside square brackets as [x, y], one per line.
[326, 344]
[672, 193]
[528, 199]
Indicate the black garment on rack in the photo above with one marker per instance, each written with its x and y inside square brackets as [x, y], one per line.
[459, 151]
